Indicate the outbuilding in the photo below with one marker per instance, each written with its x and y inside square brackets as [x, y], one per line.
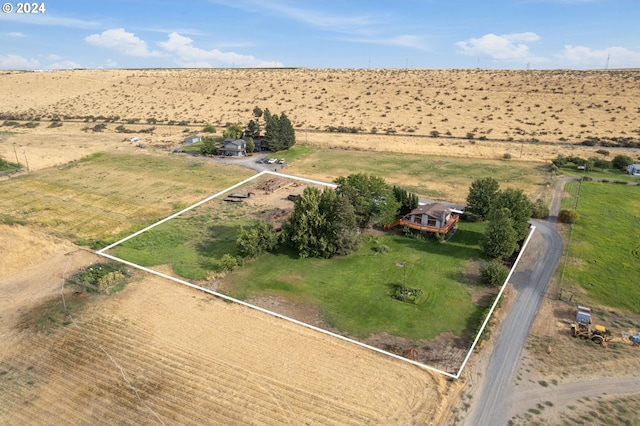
[192, 139]
[633, 169]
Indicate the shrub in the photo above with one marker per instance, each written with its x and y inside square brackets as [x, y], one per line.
[382, 249]
[494, 273]
[228, 262]
[539, 210]
[100, 277]
[209, 128]
[435, 133]
[568, 216]
[603, 152]
[507, 156]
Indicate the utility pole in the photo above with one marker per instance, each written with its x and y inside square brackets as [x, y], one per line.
[16, 153]
[26, 160]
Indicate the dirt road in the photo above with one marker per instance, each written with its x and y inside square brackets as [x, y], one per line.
[491, 406]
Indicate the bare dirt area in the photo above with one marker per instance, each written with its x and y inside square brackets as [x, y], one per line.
[160, 353]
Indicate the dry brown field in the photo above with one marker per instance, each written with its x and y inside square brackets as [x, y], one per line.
[160, 353]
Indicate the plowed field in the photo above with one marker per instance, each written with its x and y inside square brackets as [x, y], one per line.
[160, 353]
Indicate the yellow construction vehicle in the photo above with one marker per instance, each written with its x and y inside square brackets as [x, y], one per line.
[597, 333]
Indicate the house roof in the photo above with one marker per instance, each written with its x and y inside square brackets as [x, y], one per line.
[236, 142]
[434, 210]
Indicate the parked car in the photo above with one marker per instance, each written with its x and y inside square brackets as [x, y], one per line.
[271, 161]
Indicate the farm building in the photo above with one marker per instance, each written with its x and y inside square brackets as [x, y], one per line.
[633, 169]
[192, 139]
[433, 217]
[233, 147]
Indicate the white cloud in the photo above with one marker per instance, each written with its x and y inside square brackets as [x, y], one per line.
[409, 41]
[581, 56]
[122, 41]
[111, 63]
[506, 47]
[15, 34]
[64, 65]
[16, 62]
[186, 54]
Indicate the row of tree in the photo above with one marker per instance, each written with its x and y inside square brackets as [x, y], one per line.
[279, 133]
[508, 212]
[327, 222]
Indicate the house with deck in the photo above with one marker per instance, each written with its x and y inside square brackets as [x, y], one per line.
[433, 217]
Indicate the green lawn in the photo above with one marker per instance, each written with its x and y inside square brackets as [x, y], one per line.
[7, 167]
[354, 292]
[605, 245]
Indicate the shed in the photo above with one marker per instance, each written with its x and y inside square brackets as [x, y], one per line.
[192, 139]
[633, 169]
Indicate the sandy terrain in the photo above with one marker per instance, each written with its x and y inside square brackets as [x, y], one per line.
[160, 353]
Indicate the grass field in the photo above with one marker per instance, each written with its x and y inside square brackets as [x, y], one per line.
[604, 255]
[607, 174]
[352, 292]
[106, 195]
[444, 178]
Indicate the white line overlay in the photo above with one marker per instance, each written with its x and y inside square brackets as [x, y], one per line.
[102, 253]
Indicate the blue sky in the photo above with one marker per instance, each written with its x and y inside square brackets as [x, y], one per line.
[539, 34]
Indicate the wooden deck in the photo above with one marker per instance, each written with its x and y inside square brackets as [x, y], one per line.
[425, 228]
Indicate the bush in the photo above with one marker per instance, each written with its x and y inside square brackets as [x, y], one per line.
[568, 216]
[494, 273]
[100, 277]
[507, 156]
[382, 249]
[539, 210]
[228, 262]
[209, 128]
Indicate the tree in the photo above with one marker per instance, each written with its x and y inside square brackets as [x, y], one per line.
[621, 161]
[482, 194]
[251, 146]
[256, 240]
[209, 128]
[209, 146]
[253, 129]
[500, 239]
[322, 224]
[287, 132]
[234, 131]
[257, 112]
[371, 197]
[519, 207]
[279, 132]
[408, 200]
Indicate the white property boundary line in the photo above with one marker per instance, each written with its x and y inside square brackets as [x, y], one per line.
[102, 253]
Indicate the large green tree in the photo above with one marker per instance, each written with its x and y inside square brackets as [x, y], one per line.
[209, 145]
[322, 224]
[234, 131]
[519, 207]
[371, 197]
[279, 132]
[500, 239]
[482, 194]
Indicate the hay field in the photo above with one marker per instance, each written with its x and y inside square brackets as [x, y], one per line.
[103, 195]
[548, 106]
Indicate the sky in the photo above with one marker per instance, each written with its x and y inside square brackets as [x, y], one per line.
[517, 34]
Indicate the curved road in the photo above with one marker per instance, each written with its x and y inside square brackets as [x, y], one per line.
[491, 405]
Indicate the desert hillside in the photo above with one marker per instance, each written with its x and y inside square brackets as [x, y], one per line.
[547, 106]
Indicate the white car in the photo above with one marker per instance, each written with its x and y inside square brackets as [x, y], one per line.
[271, 160]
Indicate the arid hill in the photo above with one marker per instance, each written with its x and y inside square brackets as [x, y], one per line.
[549, 106]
